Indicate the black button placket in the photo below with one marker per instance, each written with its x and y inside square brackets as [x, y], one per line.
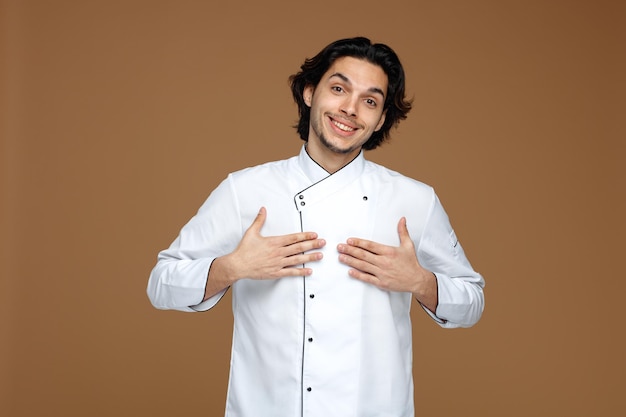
[300, 202]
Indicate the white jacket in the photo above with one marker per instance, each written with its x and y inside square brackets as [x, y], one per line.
[327, 344]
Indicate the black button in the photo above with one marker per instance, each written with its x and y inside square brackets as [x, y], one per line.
[302, 203]
[309, 389]
[312, 296]
[300, 196]
[310, 339]
[364, 198]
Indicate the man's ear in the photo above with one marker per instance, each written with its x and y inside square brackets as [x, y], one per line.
[381, 121]
[307, 94]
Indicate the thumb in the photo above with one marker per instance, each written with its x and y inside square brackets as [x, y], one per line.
[259, 221]
[403, 232]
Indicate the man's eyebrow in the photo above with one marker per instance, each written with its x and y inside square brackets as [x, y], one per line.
[345, 79]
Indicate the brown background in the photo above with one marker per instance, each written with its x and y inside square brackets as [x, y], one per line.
[119, 117]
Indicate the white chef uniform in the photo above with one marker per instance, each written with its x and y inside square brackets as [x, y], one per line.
[324, 345]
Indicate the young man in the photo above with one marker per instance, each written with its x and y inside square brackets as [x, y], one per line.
[324, 253]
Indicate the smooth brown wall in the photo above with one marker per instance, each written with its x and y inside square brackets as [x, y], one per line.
[119, 117]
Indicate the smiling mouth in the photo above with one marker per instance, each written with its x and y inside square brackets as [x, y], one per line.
[343, 127]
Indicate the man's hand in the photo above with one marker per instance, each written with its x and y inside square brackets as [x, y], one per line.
[260, 257]
[390, 268]
[273, 257]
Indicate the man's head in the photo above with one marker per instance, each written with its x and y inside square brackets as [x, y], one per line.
[395, 106]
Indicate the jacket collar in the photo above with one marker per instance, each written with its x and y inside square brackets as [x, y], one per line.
[316, 173]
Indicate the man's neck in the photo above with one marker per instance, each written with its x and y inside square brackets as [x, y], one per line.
[329, 160]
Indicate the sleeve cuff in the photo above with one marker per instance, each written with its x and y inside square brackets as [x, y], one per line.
[209, 303]
[433, 316]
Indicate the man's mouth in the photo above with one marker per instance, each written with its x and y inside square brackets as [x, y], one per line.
[342, 126]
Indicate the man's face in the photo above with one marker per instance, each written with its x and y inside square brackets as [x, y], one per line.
[346, 106]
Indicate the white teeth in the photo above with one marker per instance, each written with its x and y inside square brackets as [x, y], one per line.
[343, 127]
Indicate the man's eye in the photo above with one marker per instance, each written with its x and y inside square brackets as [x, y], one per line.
[337, 89]
[371, 102]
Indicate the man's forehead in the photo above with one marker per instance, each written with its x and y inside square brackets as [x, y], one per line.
[359, 72]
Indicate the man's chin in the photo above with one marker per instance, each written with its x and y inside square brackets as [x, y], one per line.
[338, 148]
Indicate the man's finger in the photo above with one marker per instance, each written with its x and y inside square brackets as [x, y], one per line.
[364, 244]
[403, 231]
[300, 259]
[310, 243]
[259, 220]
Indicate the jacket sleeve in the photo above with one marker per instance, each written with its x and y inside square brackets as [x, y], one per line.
[460, 288]
[178, 280]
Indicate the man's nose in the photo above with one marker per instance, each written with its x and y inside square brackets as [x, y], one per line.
[349, 106]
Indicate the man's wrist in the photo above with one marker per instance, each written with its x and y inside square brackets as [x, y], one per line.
[427, 292]
[225, 271]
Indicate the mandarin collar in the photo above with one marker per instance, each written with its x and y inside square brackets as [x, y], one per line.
[316, 173]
